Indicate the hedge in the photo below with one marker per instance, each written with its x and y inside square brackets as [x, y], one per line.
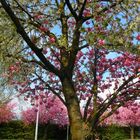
[17, 130]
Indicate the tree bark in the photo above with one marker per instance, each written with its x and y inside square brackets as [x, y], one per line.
[132, 133]
[78, 129]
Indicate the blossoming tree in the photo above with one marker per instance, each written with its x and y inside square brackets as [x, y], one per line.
[128, 115]
[66, 52]
[53, 111]
[6, 113]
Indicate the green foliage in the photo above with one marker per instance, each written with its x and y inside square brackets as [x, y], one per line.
[11, 47]
[55, 132]
[137, 132]
[16, 130]
[10, 41]
[114, 133]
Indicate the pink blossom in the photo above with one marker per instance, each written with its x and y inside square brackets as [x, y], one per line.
[88, 29]
[72, 21]
[6, 113]
[88, 1]
[127, 62]
[45, 22]
[128, 115]
[99, 78]
[52, 111]
[52, 40]
[138, 37]
[38, 16]
[80, 54]
[101, 42]
[86, 13]
[43, 29]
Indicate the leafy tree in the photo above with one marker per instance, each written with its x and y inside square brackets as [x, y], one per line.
[16, 130]
[66, 52]
[8, 39]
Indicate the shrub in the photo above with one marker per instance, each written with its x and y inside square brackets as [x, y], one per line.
[113, 133]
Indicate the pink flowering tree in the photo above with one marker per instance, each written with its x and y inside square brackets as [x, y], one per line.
[53, 111]
[6, 112]
[127, 116]
[67, 49]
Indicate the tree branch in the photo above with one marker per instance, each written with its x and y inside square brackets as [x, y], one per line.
[104, 105]
[71, 9]
[86, 107]
[22, 8]
[103, 10]
[119, 105]
[51, 89]
[24, 35]
[82, 9]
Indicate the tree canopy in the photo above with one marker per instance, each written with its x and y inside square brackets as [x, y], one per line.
[86, 52]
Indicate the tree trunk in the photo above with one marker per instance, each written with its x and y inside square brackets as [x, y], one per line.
[132, 132]
[78, 129]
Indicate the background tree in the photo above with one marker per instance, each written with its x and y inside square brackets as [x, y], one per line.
[66, 53]
[8, 39]
[6, 112]
[52, 112]
[128, 115]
